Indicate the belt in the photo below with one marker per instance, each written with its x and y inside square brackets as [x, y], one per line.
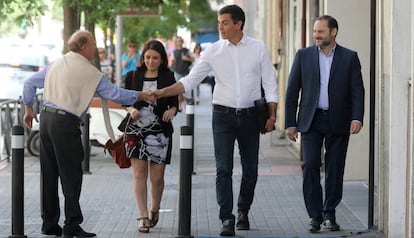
[322, 110]
[54, 110]
[237, 111]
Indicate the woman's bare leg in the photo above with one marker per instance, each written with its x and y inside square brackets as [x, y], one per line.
[140, 175]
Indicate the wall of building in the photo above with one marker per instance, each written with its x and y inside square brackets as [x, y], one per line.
[354, 33]
[396, 68]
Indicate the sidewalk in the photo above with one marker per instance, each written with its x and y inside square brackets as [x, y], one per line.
[109, 209]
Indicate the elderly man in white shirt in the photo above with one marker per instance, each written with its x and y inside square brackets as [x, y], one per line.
[242, 67]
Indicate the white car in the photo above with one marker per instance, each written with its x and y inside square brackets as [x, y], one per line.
[97, 132]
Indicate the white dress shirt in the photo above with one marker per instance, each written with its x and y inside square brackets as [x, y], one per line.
[239, 71]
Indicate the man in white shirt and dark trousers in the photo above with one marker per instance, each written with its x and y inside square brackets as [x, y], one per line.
[241, 65]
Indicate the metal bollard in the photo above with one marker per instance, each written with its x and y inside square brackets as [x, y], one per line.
[189, 111]
[184, 199]
[86, 145]
[17, 145]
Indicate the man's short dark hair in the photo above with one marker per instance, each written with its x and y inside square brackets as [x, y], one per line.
[237, 14]
[332, 23]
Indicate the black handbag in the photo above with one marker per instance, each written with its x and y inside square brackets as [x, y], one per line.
[124, 123]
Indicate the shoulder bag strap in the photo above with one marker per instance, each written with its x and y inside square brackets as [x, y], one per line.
[107, 118]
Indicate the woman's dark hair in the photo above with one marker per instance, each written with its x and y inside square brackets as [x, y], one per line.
[159, 47]
[197, 45]
[237, 14]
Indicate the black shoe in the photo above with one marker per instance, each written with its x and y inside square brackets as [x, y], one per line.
[56, 231]
[331, 225]
[78, 233]
[243, 221]
[315, 225]
[228, 228]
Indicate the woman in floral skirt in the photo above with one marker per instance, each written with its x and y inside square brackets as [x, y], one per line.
[149, 132]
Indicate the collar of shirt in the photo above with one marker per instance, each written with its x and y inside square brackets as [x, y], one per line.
[238, 70]
[241, 42]
[330, 53]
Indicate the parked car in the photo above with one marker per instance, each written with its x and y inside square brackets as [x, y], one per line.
[97, 132]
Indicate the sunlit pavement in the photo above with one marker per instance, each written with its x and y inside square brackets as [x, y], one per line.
[109, 209]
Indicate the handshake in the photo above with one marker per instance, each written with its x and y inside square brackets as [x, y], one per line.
[150, 95]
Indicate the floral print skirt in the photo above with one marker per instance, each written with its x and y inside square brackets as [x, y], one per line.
[146, 140]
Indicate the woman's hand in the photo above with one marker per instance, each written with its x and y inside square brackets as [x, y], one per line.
[134, 113]
[169, 114]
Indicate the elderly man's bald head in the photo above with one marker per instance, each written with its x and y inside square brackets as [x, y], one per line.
[82, 42]
[79, 39]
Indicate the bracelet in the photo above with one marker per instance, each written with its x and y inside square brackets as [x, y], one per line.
[273, 119]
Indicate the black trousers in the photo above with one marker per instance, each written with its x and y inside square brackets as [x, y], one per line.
[61, 155]
[335, 153]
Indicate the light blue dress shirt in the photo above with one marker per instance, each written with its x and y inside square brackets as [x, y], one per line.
[105, 89]
[325, 63]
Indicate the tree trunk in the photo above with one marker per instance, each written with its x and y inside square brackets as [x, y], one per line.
[71, 22]
[90, 26]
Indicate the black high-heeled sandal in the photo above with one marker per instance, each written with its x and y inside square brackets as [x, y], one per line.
[144, 224]
[154, 217]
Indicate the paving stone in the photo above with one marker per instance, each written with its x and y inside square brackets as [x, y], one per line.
[108, 203]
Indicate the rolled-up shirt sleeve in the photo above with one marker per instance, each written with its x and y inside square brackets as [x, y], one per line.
[31, 84]
[108, 90]
[269, 82]
[200, 70]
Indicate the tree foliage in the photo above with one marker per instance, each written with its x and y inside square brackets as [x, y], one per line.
[18, 15]
[103, 14]
[174, 14]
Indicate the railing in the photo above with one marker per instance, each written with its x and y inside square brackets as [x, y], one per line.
[12, 114]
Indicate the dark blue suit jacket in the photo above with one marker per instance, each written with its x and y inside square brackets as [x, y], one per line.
[345, 89]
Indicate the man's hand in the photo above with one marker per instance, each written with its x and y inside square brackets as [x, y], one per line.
[29, 115]
[147, 96]
[131, 54]
[355, 127]
[292, 133]
[270, 124]
[159, 93]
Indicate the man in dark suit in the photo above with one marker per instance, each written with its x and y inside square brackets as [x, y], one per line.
[328, 79]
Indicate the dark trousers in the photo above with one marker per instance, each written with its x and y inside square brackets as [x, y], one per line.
[61, 155]
[228, 127]
[335, 154]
